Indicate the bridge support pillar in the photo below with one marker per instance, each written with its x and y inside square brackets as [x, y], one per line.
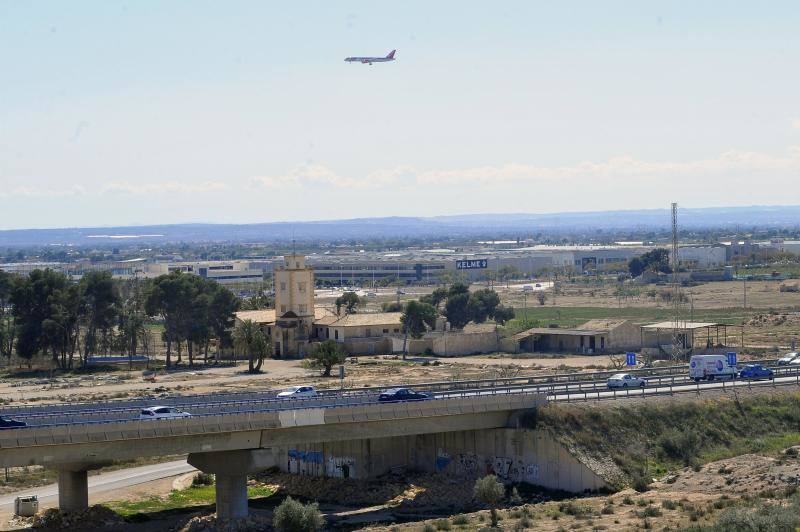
[73, 490]
[231, 469]
[231, 496]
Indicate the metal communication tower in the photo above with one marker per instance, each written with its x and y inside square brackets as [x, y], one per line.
[678, 339]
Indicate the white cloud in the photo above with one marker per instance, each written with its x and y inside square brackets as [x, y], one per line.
[322, 175]
[40, 191]
[732, 165]
[162, 188]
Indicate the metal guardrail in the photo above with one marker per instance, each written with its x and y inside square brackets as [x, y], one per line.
[721, 385]
[198, 404]
[191, 401]
[156, 422]
[595, 387]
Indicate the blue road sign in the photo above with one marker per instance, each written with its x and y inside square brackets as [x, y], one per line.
[630, 359]
[731, 358]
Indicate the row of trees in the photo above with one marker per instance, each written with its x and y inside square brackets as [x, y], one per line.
[656, 261]
[45, 313]
[195, 311]
[456, 303]
[462, 307]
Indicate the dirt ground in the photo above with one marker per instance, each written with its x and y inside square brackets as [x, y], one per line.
[360, 371]
[722, 294]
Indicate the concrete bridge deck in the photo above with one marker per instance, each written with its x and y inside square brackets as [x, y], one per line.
[236, 443]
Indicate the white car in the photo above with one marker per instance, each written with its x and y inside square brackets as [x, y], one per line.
[789, 358]
[625, 380]
[162, 412]
[296, 392]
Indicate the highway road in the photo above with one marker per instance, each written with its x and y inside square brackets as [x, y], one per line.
[557, 388]
[102, 483]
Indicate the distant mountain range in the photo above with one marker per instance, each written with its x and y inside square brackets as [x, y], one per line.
[468, 225]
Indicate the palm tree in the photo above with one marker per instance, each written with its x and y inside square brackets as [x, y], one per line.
[249, 338]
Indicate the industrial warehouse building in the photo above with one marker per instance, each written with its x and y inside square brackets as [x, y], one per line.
[343, 268]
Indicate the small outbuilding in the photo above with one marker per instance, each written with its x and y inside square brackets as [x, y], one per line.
[691, 337]
[593, 337]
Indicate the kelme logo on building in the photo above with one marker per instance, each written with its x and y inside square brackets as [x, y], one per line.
[478, 264]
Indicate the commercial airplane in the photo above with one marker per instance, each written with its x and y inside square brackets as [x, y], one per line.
[370, 60]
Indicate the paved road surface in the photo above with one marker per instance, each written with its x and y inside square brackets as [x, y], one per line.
[104, 482]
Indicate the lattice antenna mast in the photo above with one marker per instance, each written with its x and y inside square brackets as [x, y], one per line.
[677, 337]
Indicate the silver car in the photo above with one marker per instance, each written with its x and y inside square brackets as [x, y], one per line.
[625, 380]
[162, 412]
[789, 358]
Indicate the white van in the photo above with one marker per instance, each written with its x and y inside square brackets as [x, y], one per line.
[710, 367]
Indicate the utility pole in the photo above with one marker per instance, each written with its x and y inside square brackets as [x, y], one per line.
[525, 306]
[744, 283]
[676, 288]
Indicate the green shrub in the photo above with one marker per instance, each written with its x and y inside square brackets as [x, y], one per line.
[428, 528]
[683, 445]
[761, 517]
[669, 504]
[460, 519]
[442, 524]
[574, 509]
[608, 509]
[627, 500]
[203, 479]
[490, 491]
[294, 516]
[641, 482]
[649, 511]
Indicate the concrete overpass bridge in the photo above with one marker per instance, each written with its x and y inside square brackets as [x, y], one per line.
[236, 434]
[234, 438]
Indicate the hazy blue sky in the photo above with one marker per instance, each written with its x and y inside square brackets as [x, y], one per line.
[164, 112]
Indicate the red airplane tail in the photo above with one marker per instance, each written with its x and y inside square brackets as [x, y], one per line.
[391, 54]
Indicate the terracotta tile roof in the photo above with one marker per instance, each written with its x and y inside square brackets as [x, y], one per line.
[363, 320]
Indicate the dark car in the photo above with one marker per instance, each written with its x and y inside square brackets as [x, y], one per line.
[755, 371]
[402, 394]
[8, 423]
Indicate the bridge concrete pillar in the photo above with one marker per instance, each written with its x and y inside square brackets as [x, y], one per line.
[73, 490]
[231, 495]
[231, 469]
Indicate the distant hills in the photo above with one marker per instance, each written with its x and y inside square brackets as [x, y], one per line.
[468, 225]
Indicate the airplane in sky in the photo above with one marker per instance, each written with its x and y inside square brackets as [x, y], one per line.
[370, 60]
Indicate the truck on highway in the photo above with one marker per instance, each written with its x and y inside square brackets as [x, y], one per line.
[710, 367]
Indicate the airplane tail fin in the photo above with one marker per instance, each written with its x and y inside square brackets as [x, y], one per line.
[391, 54]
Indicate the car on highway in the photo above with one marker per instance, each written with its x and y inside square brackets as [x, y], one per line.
[297, 392]
[8, 423]
[755, 371]
[402, 394]
[789, 358]
[625, 380]
[162, 412]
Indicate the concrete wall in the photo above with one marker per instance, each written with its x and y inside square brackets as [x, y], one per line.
[450, 343]
[514, 455]
[461, 343]
[624, 337]
[368, 346]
